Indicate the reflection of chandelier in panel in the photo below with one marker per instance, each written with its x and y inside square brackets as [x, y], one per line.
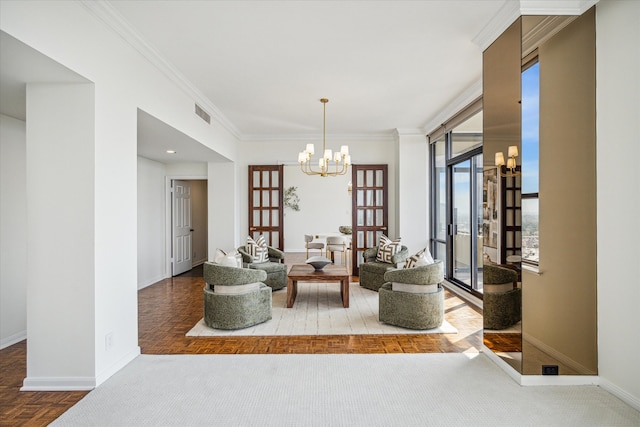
[341, 159]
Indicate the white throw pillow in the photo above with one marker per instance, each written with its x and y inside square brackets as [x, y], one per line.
[414, 289]
[423, 257]
[387, 248]
[231, 259]
[236, 289]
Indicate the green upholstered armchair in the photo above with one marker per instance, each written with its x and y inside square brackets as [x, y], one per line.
[235, 298]
[412, 297]
[275, 268]
[501, 301]
[372, 271]
[275, 255]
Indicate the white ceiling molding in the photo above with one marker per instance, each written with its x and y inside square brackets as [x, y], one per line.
[472, 93]
[363, 137]
[107, 14]
[511, 10]
[409, 132]
[507, 14]
[557, 7]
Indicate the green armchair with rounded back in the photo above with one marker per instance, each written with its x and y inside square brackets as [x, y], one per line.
[413, 297]
[274, 267]
[501, 301]
[372, 271]
[234, 297]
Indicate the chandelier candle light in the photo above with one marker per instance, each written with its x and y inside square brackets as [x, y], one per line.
[341, 158]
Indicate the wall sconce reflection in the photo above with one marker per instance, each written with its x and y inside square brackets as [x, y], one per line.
[511, 165]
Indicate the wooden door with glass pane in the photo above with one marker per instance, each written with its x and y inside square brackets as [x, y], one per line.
[265, 204]
[369, 209]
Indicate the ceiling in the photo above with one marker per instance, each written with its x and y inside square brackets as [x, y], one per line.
[384, 65]
[264, 65]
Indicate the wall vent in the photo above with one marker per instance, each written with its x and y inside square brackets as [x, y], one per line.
[203, 114]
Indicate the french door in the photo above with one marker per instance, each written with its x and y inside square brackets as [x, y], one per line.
[464, 237]
[369, 209]
[266, 215]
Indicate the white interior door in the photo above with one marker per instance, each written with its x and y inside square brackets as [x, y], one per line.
[181, 227]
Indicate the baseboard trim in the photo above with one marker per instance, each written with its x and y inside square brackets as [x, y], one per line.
[142, 285]
[508, 369]
[13, 339]
[58, 384]
[621, 394]
[560, 357]
[77, 383]
[540, 380]
[115, 367]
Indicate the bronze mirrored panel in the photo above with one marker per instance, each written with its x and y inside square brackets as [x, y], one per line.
[540, 291]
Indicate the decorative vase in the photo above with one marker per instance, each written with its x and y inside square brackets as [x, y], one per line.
[318, 262]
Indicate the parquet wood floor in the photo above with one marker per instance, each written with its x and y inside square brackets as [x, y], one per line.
[170, 308]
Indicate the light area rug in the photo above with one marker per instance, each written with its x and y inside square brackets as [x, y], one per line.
[336, 390]
[318, 310]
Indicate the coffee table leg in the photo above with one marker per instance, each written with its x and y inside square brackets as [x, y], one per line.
[344, 291]
[292, 290]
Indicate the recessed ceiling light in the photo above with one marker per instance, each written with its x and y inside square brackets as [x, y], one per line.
[171, 151]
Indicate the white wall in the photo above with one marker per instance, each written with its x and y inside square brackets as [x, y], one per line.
[154, 216]
[618, 184]
[224, 215]
[379, 151]
[125, 81]
[60, 234]
[151, 222]
[413, 190]
[325, 204]
[13, 237]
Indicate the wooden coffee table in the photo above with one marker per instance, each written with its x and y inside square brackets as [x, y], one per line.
[306, 273]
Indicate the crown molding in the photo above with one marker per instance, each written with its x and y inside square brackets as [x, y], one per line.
[558, 7]
[409, 131]
[105, 12]
[469, 95]
[508, 13]
[512, 10]
[363, 137]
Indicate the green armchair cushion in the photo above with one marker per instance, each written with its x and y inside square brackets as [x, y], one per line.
[222, 275]
[422, 275]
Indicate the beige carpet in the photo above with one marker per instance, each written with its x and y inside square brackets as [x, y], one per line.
[323, 390]
[318, 311]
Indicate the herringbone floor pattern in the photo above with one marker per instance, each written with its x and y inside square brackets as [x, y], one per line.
[169, 308]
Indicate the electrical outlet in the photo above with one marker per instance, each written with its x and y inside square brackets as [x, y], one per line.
[108, 341]
[549, 369]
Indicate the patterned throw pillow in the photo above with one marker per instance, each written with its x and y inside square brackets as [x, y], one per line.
[423, 257]
[387, 248]
[258, 249]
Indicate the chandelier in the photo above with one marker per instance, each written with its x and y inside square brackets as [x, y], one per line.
[341, 159]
